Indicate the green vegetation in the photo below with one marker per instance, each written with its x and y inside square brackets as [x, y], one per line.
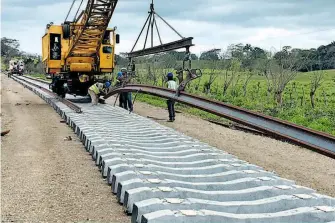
[39, 76]
[297, 85]
[292, 84]
[159, 102]
[3, 65]
[10, 50]
[296, 107]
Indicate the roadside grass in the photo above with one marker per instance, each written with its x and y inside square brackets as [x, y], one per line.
[39, 76]
[3, 65]
[161, 103]
[296, 107]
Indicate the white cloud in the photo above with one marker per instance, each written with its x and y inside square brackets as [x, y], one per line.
[27, 24]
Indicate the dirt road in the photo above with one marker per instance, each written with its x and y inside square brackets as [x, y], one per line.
[44, 178]
[305, 167]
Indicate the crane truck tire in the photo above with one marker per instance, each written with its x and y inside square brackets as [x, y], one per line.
[66, 30]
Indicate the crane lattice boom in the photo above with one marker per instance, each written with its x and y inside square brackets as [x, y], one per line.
[92, 25]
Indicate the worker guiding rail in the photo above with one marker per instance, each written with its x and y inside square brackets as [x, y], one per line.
[171, 84]
[96, 89]
[119, 83]
[125, 98]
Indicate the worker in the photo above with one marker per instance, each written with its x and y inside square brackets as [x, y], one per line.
[126, 96]
[119, 79]
[96, 89]
[129, 101]
[84, 78]
[119, 82]
[171, 84]
[133, 67]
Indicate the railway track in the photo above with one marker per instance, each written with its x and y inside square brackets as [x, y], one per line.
[44, 86]
[161, 175]
[315, 140]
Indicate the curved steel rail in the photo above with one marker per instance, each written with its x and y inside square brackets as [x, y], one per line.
[318, 141]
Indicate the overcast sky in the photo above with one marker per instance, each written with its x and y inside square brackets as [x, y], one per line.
[269, 24]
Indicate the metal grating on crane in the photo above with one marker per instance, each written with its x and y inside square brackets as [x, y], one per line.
[161, 175]
[91, 27]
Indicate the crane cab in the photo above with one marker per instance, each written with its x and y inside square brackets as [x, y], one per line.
[107, 54]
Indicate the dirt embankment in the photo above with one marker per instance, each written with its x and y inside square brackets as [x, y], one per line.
[45, 178]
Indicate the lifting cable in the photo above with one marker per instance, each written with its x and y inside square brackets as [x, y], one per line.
[152, 22]
[75, 17]
[69, 10]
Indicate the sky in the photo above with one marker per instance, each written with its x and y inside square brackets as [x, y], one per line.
[269, 24]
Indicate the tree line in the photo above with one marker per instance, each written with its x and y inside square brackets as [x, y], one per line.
[10, 50]
[238, 63]
[306, 60]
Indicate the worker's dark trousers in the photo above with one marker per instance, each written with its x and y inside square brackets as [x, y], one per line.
[170, 104]
[129, 101]
[122, 100]
[125, 101]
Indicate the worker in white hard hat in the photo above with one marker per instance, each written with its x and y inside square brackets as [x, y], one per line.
[171, 84]
[126, 96]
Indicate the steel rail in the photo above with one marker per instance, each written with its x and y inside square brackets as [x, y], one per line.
[71, 105]
[36, 79]
[186, 42]
[317, 141]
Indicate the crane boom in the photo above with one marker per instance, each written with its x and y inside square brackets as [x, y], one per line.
[91, 28]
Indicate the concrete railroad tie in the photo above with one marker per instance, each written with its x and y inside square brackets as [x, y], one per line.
[161, 175]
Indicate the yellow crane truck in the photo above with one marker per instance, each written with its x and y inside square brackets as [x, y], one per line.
[76, 51]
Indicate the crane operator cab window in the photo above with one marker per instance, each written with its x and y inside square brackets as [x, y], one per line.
[107, 49]
[107, 37]
[107, 41]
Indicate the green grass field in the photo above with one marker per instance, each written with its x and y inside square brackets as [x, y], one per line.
[3, 65]
[296, 105]
[39, 76]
